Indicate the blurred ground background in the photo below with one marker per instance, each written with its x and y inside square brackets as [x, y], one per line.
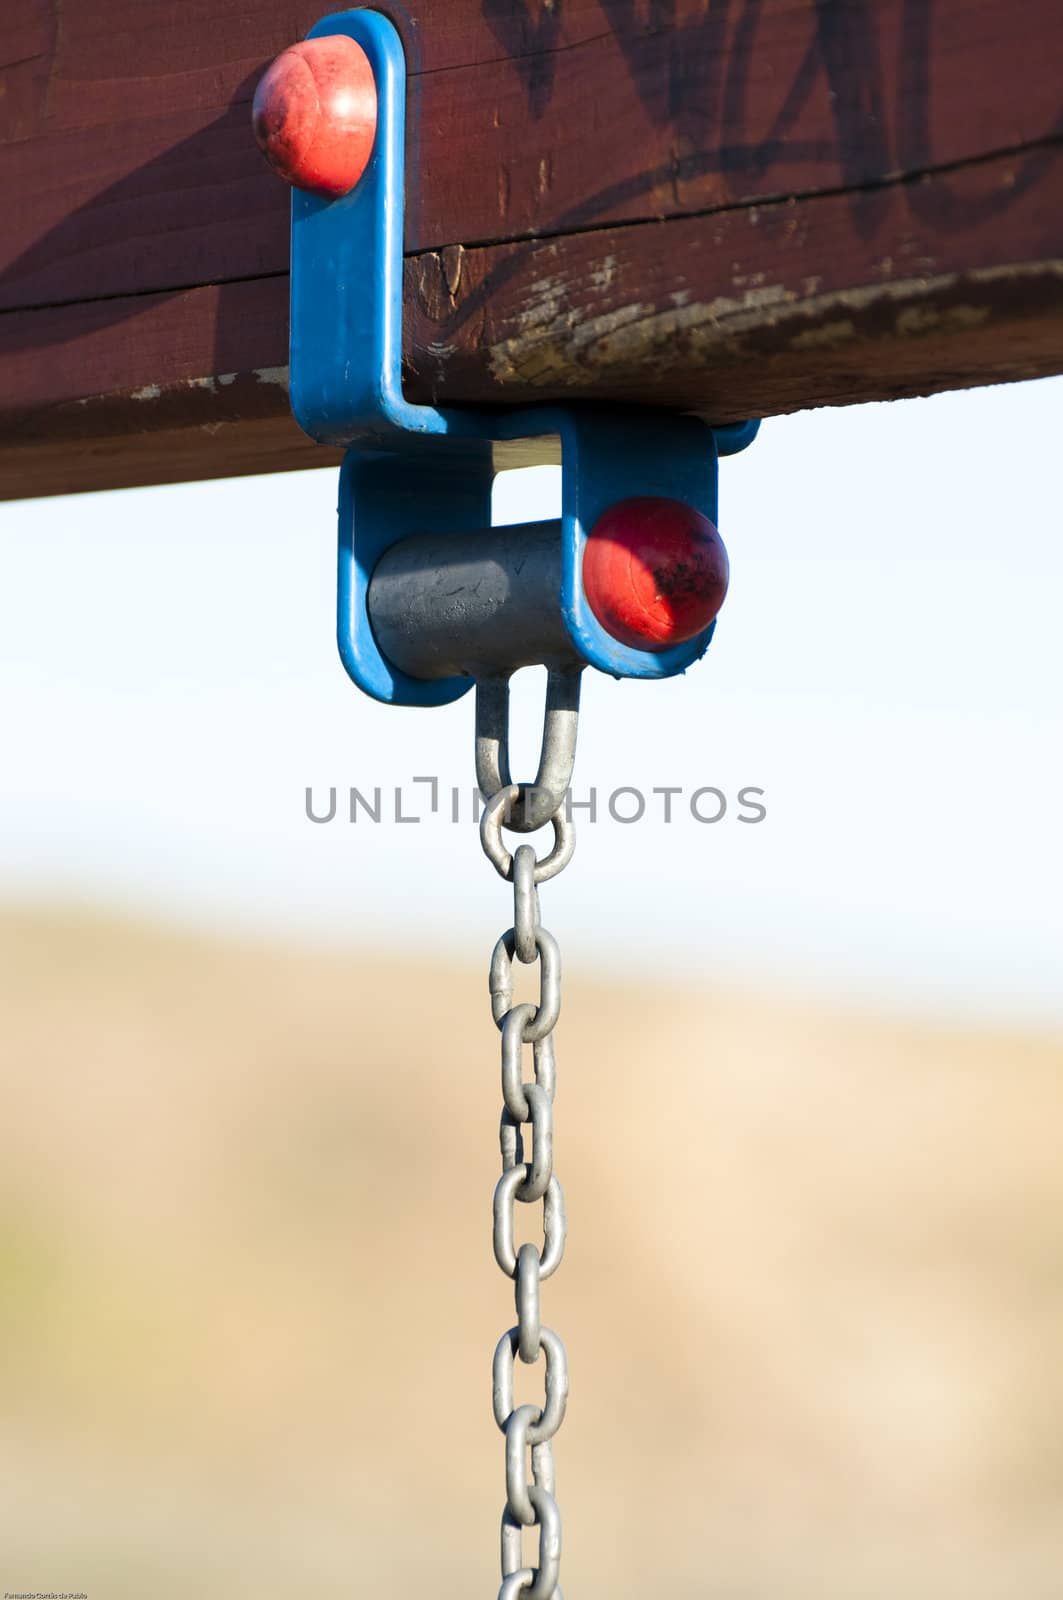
[813, 1295]
[811, 1072]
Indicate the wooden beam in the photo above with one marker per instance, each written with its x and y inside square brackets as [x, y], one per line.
[737, 207]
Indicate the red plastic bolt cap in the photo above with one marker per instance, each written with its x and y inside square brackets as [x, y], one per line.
[654, 572]
[315, 113]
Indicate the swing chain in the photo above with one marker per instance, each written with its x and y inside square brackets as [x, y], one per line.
[528, 1177]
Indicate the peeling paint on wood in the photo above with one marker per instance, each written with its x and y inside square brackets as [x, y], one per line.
[741, 210]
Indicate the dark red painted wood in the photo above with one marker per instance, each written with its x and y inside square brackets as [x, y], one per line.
[747, 205]
[125, 142]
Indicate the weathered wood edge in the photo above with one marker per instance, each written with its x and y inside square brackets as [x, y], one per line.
[720, 314]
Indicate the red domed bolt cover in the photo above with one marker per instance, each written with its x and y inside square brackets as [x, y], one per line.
[315, 113]
[654, 572]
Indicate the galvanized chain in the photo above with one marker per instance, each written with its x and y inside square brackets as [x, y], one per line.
[528, 1177]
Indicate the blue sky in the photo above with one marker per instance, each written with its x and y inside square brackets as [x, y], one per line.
[888, 669]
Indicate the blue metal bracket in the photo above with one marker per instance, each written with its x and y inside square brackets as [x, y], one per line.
[418, 469]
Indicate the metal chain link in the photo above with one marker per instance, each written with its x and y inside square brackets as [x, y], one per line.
[528, 1177]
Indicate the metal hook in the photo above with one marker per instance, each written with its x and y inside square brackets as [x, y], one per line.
[536, 803]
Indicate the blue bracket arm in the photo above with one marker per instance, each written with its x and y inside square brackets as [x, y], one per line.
[419, 469]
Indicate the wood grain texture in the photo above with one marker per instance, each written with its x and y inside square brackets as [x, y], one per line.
[736, 207]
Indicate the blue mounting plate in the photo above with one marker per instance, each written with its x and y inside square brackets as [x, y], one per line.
[419, 469]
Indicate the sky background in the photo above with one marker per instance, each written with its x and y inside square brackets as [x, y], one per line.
[888, 668]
